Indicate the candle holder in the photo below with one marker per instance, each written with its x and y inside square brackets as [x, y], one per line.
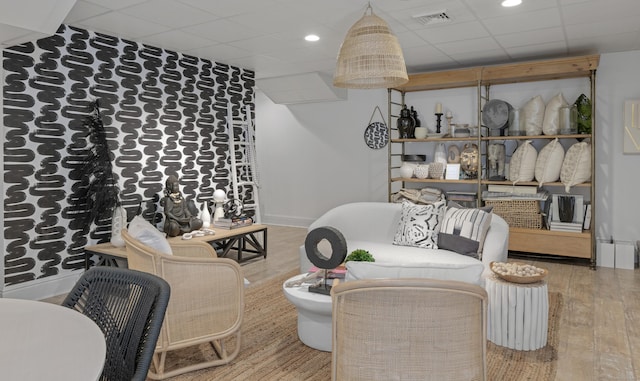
[449, 119]
[438, 122]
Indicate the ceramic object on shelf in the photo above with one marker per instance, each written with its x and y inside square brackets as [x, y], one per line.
[406, 170]
[206, 215]
[436, 170]
[495, 115]
[440, 154]
[420, 132]
[421, 171]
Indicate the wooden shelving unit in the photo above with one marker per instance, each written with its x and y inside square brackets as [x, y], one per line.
[569, 244]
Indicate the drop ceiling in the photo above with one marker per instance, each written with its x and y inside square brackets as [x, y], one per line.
[268, 35]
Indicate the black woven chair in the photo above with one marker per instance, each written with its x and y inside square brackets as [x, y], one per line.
[129, 308]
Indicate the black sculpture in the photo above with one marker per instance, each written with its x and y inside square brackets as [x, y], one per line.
[178, 218]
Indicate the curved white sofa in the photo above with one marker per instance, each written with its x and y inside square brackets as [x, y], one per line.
[372, 226]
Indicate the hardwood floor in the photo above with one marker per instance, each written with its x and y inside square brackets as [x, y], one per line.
[600, 320]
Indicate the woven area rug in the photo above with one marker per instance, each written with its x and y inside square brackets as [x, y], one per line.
[271, 349]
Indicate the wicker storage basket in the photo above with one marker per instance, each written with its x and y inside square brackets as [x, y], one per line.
[518, 213]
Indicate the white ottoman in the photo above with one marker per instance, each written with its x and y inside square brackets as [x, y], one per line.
[518, 313]
[314, 315]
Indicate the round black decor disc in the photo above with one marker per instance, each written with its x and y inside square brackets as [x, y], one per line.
[338, 247]
[376, 135]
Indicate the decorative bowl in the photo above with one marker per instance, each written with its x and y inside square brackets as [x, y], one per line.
[518, 278]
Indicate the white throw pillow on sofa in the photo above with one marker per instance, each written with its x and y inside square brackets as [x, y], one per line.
[463, 230]
[419, 225]
[143, 231]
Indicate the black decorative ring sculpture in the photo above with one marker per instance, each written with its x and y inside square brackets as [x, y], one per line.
[338, 247]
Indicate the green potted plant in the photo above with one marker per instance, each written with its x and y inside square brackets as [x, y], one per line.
[360, 255]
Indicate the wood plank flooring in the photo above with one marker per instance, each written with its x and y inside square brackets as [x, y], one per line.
[600, 320]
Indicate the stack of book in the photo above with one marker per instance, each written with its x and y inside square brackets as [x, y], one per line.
[233, 223]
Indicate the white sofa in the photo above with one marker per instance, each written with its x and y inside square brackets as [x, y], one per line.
[372, 226]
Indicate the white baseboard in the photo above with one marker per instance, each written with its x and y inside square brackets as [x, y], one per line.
[271, 219]
[43, 288]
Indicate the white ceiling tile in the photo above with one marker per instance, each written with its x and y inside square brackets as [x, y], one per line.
[598, 11]
[259, 45]
[223, 30]
[485, 9]
[482, 58]
[540, 50]
[531, 37]
[83, 10]
[176, 40]
[220, 52]
[456, 32]
[228, 8]
[605, 27]
[115, 4]
[121, 25]
[605, 44]
[168, 12]
[410, 40]
[472, 45]
[545, 18]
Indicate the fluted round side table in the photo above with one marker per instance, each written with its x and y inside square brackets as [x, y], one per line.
[518, 314]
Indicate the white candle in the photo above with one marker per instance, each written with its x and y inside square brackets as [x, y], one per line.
[438, 108]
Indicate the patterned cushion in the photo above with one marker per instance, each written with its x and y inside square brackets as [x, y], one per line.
[463, 229]
[419, 225]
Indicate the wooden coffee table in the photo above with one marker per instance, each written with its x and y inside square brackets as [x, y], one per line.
[242, 240]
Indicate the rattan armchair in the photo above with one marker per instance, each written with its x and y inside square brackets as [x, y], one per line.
[206, 306]
[128, 306]
[409, 329]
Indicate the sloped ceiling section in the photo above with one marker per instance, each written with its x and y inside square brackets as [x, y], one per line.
[29, 20]
[301, 88]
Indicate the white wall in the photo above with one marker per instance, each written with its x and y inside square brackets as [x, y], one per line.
[313, 157]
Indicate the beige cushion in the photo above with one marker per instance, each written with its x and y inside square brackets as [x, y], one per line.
[143, 231]
[551, 122]
[549, 162]
[532, 116]
[523, 163]
[576, 167]
[419, 225]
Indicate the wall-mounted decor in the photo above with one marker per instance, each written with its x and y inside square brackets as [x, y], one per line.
[631, 126]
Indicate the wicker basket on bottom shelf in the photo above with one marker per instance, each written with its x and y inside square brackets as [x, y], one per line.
[518, 213]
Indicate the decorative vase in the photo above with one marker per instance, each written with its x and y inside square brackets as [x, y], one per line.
[422, 171]
[414, 114]
[406, 170]
[566, 206]
[406, 124]
[205, 216]
[440, 155]
[118, 222]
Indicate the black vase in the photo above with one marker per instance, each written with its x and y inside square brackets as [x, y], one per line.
[566, 206]
[406, 124]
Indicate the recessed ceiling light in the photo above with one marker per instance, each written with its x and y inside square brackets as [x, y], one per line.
[511, 3]
[311, 37]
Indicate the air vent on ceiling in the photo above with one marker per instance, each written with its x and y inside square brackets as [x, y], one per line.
[433, 17]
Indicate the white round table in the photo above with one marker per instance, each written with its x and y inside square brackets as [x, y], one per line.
[45, 341]
[518, 313]
[314, 315]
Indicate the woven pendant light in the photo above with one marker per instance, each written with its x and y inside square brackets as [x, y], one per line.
[370, 56]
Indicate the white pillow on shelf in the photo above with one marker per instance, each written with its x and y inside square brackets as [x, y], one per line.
[576, 167]
[522, 166]
[551, 122]
[549, 162]
[532, 116]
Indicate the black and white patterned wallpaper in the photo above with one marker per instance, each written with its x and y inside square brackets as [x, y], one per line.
[165, 113]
